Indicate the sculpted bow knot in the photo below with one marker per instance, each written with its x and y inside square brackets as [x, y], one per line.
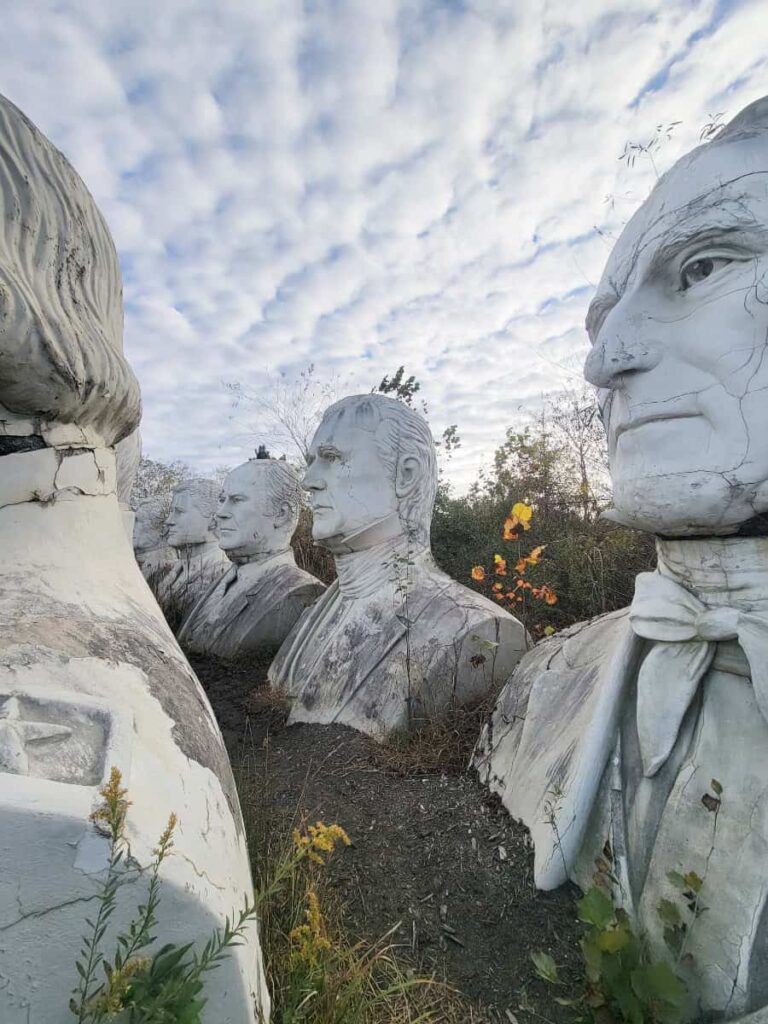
[686, 632]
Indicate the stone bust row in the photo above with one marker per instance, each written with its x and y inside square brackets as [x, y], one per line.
[393, 641]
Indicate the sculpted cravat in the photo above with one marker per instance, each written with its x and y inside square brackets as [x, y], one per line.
[686, 632]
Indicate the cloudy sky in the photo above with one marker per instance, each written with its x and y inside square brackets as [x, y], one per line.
[367, 183]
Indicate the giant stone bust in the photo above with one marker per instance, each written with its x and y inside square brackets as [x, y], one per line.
[254, 606]
[393, 642]
[90, 676]
[191, 532]
[612, 732]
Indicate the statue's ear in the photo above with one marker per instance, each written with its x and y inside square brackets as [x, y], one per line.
[410, 470]
[283, 515]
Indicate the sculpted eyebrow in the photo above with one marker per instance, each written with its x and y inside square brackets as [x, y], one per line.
[328, 449]
[705, 232]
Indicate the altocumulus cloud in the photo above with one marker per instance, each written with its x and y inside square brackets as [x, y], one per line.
[363, 184]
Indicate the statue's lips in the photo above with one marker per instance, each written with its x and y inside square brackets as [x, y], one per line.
[321, 508]
[658, 417]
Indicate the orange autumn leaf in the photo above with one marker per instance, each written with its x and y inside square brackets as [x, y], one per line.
[498, 586]
[509, 530]
[520, 567]
[478, 573]
[550, 597]
[501, 565]
[535, 556]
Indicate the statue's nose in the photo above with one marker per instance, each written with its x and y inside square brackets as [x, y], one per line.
[625, 345]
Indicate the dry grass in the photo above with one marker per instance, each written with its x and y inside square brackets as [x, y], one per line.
[438, 748]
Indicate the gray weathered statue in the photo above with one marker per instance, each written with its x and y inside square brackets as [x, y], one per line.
[393, 641]
[613, 731]
[256, 603]
[191, 532]
[90, 676]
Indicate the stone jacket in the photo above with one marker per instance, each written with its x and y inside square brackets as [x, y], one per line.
[562, 753]
[380, 653]
[252, 607]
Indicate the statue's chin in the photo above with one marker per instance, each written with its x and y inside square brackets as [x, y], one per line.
[688, 505]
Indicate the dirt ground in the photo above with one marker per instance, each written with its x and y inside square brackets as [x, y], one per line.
[433, 854]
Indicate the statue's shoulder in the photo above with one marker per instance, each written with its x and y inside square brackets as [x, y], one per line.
[449, 594]
[558, 672]
[284, 582]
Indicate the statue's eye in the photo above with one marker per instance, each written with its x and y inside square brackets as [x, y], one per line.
[700, 268]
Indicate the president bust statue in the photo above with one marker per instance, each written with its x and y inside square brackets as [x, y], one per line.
[630, 717]
[191, 532]
[90, 675]
[393, 641]
[256, 603]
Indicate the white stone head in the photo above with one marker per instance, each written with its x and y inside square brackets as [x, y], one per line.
[61, 307]
[679, 331]
[371, 457]
[149, 526]
[192, 517]
[258, 509]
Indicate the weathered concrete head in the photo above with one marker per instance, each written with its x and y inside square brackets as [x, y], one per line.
[192, 516]
[258, 509]
[149, 527]
[679, 329]
[61, 309]
[370, 458]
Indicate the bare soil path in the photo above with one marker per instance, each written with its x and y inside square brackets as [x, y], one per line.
[433, 853]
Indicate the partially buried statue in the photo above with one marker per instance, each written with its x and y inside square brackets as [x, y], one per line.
[90, 676]
[191, 532]
[631, 717]
[256, 603]
[393, 641]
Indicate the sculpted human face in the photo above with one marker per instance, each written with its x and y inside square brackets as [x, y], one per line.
[246, 522]
[187, 523]
[679, 329]
[349, 486]
[146, 535]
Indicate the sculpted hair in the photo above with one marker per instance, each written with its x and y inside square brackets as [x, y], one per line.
[399, 432]
[61, 307]
[749, 123]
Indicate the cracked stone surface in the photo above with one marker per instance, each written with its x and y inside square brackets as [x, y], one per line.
[612, 731]
[393, 641]
[90, 675]
[257, 602]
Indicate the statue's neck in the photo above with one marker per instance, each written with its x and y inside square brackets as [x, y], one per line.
[729, 571]
[374, 558]
[264, 559]
[205, 551]
[62, 529]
